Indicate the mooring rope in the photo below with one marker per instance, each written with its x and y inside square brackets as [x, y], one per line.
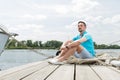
[114, 42]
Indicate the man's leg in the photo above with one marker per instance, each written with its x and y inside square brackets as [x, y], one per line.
[70, 52]
[62, 53]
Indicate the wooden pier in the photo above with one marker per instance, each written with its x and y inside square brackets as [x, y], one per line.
[42, 70]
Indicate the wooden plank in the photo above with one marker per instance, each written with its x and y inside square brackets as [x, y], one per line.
[42, 74]
[106, 73]
[23, 71]
[64, 72]
[9, 71]
[84, 72]
[114, 68]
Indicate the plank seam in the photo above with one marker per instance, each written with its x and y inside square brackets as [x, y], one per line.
[95, 72]
[28, 75]
[113, 69]
[22, 69]
[74, 72]
[32, 73]
[52, 72]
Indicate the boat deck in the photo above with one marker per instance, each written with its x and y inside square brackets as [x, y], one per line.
[42, 70]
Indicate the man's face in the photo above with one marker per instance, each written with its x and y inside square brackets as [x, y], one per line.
[81, 27]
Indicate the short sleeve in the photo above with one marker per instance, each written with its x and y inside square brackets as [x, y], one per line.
[76, 38]
[87, 36]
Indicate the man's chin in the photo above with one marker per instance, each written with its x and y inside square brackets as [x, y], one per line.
[80, 31]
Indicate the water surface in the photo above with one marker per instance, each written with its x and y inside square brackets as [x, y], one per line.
[17, 57]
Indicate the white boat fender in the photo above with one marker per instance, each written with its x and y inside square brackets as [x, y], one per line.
[115, 63]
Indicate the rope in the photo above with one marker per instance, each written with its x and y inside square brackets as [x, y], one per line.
[114, 42]
[31, 49]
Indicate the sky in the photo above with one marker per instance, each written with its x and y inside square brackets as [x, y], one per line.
[45, 20]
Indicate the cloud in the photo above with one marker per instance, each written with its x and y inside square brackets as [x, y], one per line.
[72, 25]
[77, 7]
[61, 9]
[37, 32]
[74, 7]
[61, 36]
[34, 17]
[25, 29]
[40, 20]
[114, 20]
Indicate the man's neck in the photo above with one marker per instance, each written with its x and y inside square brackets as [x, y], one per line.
[82, 32]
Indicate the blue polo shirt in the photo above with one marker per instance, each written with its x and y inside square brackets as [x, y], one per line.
[88, 44]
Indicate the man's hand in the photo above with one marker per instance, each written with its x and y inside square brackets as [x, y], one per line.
[63, 48]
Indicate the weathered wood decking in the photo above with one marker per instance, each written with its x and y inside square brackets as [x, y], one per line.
[45, 71]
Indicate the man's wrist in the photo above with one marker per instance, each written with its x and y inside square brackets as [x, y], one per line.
[67, 47]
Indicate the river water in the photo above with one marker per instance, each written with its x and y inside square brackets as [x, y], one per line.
[17, 57]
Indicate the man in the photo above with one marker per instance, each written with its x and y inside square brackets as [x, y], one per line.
[81, 46]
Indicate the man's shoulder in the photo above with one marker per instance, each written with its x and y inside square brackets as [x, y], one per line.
[87, 34]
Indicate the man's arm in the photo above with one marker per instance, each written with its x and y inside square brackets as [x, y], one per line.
[65, 44]
[76, 43]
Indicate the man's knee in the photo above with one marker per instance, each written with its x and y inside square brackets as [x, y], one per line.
[79, 48]
[68, 42]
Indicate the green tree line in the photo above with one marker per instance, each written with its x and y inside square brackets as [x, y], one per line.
[104, 46]
[52, 44]
[24, 44]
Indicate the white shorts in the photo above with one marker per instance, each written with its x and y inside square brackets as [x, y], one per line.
[84, 54]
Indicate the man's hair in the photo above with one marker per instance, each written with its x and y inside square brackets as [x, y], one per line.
[82, 22]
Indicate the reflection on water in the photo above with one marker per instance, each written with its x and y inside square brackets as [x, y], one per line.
[12, 58]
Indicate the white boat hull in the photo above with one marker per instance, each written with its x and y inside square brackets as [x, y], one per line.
[3, 40]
